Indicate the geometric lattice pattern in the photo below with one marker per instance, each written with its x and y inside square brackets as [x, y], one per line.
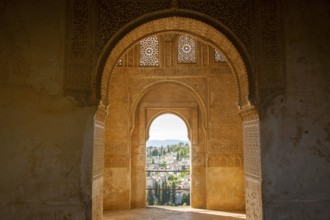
[149, 51]
[218, 57]
[120, 62]
[186, 49]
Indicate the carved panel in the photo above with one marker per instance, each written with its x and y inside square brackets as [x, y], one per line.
[225, 160]
[228, 131]
[253, 200]
[251, 138]
[113, 161]
[97, 199]
[271, 71]
[78, 51]
[270, 29]
[117, 148]
[112, 15]
[98, 149]
[115, 133]
[222, 146]
[235, 14]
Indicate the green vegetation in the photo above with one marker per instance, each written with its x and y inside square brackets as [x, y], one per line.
[170, 157]
[183, 150]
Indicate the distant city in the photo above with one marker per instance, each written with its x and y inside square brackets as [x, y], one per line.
[158, 143]
[168, 172]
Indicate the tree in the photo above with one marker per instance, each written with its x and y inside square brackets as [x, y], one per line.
[155, 152]
[157, 192]
[188, 199]
[173, 194]
[164, 193]
[184, 199]
[150, 198]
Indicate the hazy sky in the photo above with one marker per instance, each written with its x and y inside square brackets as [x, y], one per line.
[168, 126]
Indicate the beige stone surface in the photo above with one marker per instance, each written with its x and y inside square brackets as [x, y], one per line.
[170, 213]
[205, 101]
[52, 55]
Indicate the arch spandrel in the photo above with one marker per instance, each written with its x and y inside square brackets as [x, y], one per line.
[197, 98]
[186, 25]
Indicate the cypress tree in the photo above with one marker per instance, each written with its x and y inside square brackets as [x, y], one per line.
[150, 198]
[173, 193]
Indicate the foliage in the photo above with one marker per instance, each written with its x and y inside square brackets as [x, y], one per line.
[150, 198]
[166, 193]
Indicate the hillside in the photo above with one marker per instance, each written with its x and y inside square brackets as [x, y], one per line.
[158, 143]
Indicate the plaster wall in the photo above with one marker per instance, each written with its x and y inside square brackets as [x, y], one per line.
[46, 139]
[295, 127]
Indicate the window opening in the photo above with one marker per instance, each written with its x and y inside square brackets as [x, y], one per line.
[149, 51]
[218, 57]
[120, 62]
[186, 49]
[168, 162]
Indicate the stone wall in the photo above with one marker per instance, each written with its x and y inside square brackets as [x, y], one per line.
[217, 147]
[46, 139]
[295, 126]
[49, 50]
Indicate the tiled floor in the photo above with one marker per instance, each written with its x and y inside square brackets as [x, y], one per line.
[169, 213]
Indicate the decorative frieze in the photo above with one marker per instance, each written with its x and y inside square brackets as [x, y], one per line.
[115, 161]
[117, 148]
[221, 146]
[225, 160]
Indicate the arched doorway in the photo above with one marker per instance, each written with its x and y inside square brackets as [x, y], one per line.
[157, 99]
[206, 162]
[168, 161]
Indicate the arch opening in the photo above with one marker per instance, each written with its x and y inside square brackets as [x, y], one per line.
[168, 161]
[209, 163]
[168, 126]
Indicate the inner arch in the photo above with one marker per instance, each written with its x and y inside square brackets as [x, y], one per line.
[168, 126]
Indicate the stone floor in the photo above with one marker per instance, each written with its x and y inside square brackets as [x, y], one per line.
[169, 213]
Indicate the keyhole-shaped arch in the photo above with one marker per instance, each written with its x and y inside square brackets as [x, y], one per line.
[181, 124]
[248, 113]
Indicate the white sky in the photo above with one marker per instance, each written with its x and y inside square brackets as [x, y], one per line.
[168, 126]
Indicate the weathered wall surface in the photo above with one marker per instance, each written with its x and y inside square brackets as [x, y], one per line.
[217, 155]
[46, 139]
[295, 128]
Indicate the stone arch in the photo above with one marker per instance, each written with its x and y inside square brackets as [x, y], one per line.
[146, 109]
[244, 78]
[197, 97]
[191, 26]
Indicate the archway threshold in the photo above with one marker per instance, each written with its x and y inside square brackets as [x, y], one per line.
[171, 212]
